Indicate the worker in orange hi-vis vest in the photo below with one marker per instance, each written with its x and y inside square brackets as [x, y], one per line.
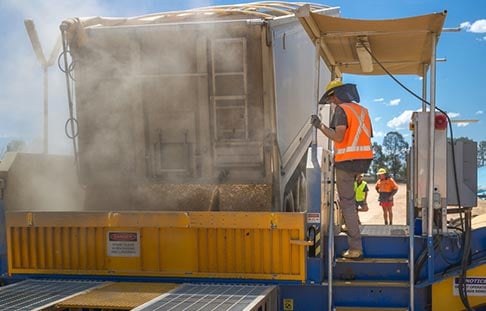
[350, 130]
[386, 187]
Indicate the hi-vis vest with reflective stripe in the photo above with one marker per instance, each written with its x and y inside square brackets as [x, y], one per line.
[357, 139]
[359, 190]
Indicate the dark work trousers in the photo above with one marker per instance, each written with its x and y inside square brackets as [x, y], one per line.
[345, 188]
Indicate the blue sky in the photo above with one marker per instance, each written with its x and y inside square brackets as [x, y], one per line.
[461, 80]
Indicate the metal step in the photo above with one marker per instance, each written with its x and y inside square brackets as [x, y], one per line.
[374, 260]
[370, 283]
[372, 269]
[215, 297]
[371, 295]
[383, 230]
[41, 294]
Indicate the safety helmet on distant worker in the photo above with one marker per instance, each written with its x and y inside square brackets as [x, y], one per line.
[381, 171]
[331, 86]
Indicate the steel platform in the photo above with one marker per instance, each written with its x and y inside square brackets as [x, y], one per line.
[206, 297]
[97, 295]
[116, 296]
[40, 294]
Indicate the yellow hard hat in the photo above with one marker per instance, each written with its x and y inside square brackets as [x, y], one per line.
[381, 171]
[331, 86]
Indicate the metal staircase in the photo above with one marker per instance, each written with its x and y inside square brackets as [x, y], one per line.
[381, 281]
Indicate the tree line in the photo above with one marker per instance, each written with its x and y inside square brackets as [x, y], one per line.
[392, 155]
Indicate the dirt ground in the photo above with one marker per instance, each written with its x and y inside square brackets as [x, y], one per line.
[374, 216]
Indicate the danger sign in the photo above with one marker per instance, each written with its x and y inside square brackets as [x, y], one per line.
[123, 244]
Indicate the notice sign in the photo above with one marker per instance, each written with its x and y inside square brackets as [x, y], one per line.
[314, 218]
[123, 244]
[475, 286]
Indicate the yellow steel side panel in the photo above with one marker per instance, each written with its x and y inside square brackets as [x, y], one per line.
[32, 249]
[24, 240]
[49, 258]
[75, 248]
[150, 255]
[177, 250]
[192, 244]
[82, 243]
[57, 251]
[443, 297]
[41, 239]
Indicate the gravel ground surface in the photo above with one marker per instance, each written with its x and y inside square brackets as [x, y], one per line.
[374, 216]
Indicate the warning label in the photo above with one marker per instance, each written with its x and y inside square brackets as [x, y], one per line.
[123, 244]
[288, 304]
[313, 218]
[475, 286]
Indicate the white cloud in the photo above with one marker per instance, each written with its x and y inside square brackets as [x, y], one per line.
[378, 134]
[402, 121]
[465, 25]
[479, 112]
[478, 26]
[394, 102]
[377, 119]
[379, 99]
[462, 124]
[453, 114]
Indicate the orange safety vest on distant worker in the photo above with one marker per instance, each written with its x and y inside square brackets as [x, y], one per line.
[357, 139]
[387, 185]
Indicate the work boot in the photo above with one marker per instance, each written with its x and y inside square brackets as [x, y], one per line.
[352, 254]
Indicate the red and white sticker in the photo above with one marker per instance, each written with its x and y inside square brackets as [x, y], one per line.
[313, 218]
[123, 243]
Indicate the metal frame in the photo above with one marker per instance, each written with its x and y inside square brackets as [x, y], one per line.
[243, 97]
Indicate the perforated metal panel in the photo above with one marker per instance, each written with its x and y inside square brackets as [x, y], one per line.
[212, 297]
[39, 294]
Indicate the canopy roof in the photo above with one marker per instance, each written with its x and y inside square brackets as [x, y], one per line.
[264, 10]
[403, 46]
[258, 10]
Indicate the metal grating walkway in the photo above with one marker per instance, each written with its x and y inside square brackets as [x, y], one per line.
[40, 294]
[206, 297]
[117, 296]
[382, 230]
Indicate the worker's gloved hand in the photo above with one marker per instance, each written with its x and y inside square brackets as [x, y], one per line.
[315, 121]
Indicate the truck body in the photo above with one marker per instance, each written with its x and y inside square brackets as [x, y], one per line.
[197, 181]
[194, 113]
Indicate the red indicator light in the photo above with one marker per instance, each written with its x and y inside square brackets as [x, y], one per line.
[440, 121]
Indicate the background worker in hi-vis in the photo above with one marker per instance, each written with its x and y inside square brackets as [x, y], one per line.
[361, 194]
[386, 187]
